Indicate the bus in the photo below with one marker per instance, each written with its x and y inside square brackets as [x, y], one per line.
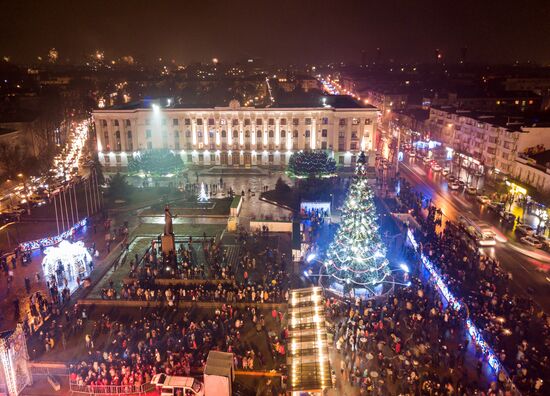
[479, 231]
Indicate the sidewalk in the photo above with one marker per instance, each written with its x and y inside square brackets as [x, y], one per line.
[17, 294]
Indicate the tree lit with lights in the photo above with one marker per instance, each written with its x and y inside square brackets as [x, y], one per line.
[357, 257]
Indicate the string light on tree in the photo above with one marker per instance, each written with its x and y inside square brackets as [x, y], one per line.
[203, 197]
[357, 257]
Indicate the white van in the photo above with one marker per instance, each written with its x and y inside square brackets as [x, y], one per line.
[177, 386]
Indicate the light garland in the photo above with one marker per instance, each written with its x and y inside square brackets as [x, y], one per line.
[437, 280]
[53, 240]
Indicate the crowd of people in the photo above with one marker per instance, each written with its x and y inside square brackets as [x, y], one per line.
[128, 353]
[407, 344]
[510, 322]
[258, 276]
[185, 263]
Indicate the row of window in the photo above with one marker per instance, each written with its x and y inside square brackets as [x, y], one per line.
[248, 157]
[247, 121]
[149, 134]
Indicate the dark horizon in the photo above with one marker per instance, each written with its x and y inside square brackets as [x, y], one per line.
[282, 32]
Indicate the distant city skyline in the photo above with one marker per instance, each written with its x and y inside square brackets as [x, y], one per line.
[279, 32]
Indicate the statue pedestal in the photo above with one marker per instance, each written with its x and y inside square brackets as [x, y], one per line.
[168, 244]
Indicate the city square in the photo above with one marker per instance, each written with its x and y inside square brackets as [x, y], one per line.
[372, 221]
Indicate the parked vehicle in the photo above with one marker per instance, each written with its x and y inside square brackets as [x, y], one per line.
[412, 154]
[445, 171]
[173, 385]
[507, 217]
[37, 200]
[495, 206]
[426, 160]
[483, 199]
[436, 167]
[454, 185]
[544, 240]
[524, 229]
[531, 241]
[471, 190]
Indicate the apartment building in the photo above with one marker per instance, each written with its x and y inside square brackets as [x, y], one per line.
[492, 141]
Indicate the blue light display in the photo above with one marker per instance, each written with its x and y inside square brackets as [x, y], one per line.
[455, 304]
[53, 240]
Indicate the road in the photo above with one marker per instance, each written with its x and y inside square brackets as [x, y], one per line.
[529, 267]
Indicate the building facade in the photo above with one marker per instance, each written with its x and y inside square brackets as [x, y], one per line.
[490, 142]
[234, 135]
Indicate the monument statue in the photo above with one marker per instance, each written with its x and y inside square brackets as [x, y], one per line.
[168, 227]
[168, 240]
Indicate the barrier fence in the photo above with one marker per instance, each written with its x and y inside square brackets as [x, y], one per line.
[136, 390]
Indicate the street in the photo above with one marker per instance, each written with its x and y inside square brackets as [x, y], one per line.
[527, 266]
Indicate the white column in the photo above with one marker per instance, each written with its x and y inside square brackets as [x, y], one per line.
[313, 134]
[241, 133]
[289, 137]
[206, 131]
[229, 134]
[194, 132]
[253, 135]
[277, 132]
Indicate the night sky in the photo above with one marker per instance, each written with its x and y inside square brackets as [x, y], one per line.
[288, 31]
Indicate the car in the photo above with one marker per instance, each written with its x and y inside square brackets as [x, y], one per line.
[495, 206]
[461, 182]
[436, 167]
[524, 229]
[412, 154]
[445, 171]
[471, 190]
[450, 178]
[531, 241]
[544, 240]
[454, 185]
[426, 160]
[483, 199]
[7, 218]
[17, 210]
[508, 217]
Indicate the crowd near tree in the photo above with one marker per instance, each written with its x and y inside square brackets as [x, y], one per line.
[509, 320]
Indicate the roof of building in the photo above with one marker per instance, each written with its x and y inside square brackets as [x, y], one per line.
[542, 158]
[513, 121]
[416, 113]
[287, 101]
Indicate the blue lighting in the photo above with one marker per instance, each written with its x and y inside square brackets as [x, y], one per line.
[311, 257]
[53, 240]
[404, 267]
[455, 304]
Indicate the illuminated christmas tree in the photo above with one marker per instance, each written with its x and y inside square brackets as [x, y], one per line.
[203, 197]
[356, 258]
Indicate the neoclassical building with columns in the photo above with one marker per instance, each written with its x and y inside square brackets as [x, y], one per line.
[236, 136]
